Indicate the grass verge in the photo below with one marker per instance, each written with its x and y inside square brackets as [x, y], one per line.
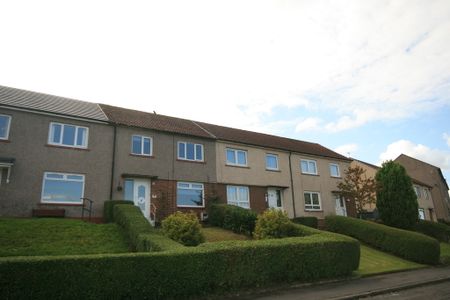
[46, 236]
[445, 253]
[217, 234]
[374, 261]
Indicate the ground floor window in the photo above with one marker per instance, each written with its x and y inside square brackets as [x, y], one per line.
[238, 195]
[421, 214]
[190, 194]
[312, 201]
[62, 188]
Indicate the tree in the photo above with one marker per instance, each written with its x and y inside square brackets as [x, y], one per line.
[357, 187]
[396, 199]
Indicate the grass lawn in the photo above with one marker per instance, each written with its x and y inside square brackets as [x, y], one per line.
[445, 253]
[46, 236]
[373, 262]
[217, 234]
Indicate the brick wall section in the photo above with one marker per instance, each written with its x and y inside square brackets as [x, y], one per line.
[351, 208]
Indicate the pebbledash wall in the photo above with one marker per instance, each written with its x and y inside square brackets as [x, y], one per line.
[33, 156]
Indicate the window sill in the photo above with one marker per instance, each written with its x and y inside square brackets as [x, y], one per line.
[5, 141]
[309, 174]
[61, 204]
[273, 170]
[336, 177]
[192, 161]
[313, 210]
[237, 166]
[182, 206]
[67, 147]
[141, 155]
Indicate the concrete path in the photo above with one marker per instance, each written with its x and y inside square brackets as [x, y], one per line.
[362, 287]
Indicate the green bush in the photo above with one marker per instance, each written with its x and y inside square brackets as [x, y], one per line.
[396, 199]
[183, 228]
[108, 209]
[410, 245]
[181, 273]
[439, 231]
[273, 223]
[443, 221]
[235, 218]
[307, 221]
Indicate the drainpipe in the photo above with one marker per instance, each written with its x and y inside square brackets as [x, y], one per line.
[113, 163]
[292, 184]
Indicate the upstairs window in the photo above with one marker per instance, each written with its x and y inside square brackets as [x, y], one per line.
[190, 151]
[68, 135]
[236, 157]
[141, 145]
[271, 162]
[334, 170]
[417, 190]
[5, 122]
[308, 166]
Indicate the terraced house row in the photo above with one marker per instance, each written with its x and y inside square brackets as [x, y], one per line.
[56, 151]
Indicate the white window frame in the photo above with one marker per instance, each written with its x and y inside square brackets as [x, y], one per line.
[60, 143]
[426, 193]
[276, 159]
[417, 191]
[338, 170]
[64, 179]
[238, 200]
[308, 161]
[310, 195]
[7, 128]
[195, 151]
[236, 157]
[192, 188]
[424, 215]
[142, 145]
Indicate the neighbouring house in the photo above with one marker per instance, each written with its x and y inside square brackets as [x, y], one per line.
[422, 190]
[54, 151]
[434, 181]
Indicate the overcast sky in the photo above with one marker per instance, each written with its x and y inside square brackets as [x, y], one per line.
[366, 78]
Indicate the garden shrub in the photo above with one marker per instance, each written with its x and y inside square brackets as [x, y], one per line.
[439, 231]
[307, 221]
[410, 245]
[108, 209]
[185, 272]
[183, 228]
[273, 223]
[235, 218]
[443, 221]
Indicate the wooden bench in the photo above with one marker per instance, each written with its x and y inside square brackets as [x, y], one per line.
[43, 213]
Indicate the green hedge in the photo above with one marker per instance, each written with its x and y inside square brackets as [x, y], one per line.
[439, 231]
[410, 245]
[307, 221]
[108, 209]
[181, 273]
[232, 217]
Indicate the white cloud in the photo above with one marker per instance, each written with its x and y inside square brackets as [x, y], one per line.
[446, 138]
[308, 124]
[364, 61]
[435, 157]
[347, 149]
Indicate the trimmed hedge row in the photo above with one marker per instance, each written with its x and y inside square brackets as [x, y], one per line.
[235, 218]
[108, 209]
[410, 245]
[143, 237]
[307, 221]
[439, 231]
[187, 271]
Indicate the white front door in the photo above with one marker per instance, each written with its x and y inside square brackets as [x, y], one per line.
[274, 198]
[341, 210]
[141, 196]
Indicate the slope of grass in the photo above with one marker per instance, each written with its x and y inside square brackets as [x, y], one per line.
[46, 236]
[445, 253]
[217, 234]
[373, 262]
